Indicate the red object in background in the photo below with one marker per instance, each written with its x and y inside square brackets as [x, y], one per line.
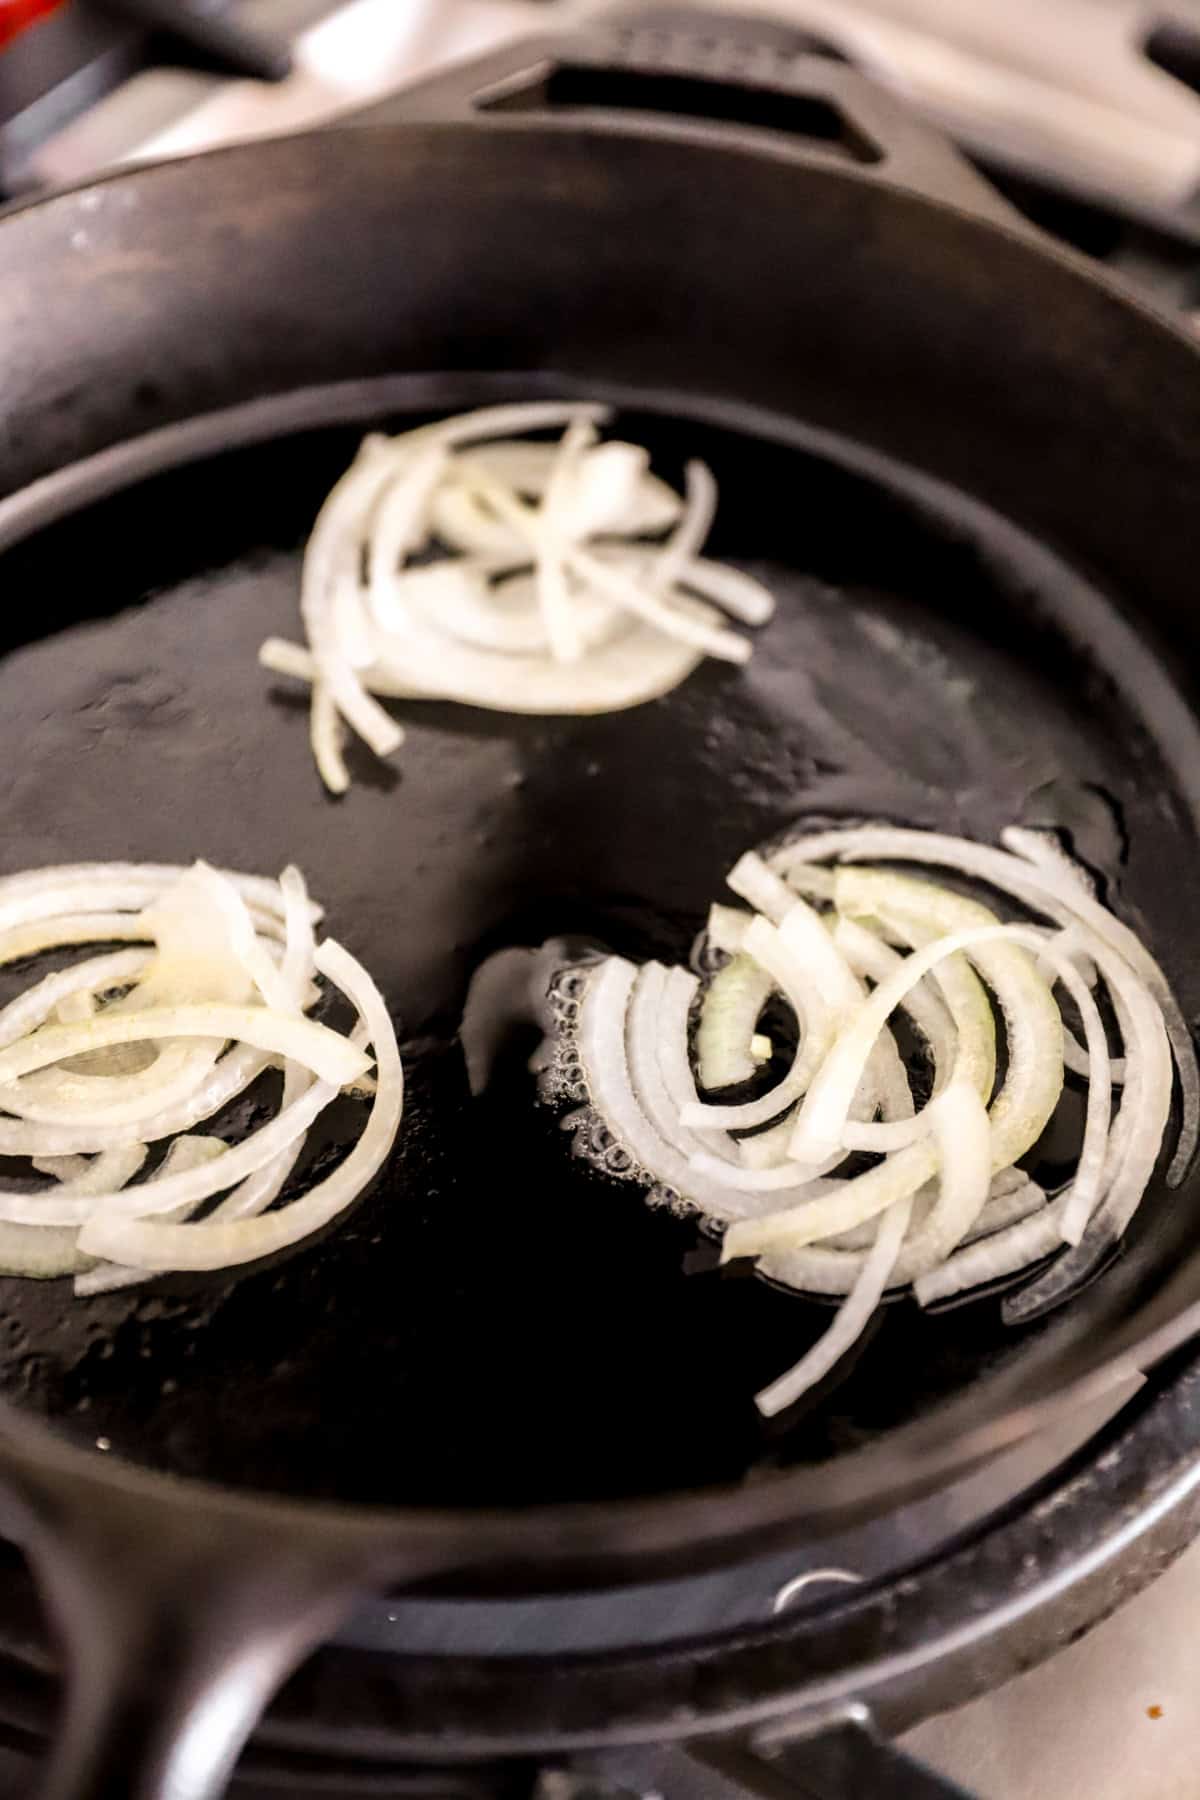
[17, 15]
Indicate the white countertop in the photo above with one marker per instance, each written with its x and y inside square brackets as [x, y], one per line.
[1082, 1727]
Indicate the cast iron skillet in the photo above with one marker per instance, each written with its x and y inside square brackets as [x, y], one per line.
[968, 467]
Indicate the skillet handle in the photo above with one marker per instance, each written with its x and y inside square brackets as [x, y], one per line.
[745, 80]
[179, 1622]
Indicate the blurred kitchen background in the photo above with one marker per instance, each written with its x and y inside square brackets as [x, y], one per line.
[1091, 102]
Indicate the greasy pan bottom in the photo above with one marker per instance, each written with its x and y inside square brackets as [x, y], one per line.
[494, 1324]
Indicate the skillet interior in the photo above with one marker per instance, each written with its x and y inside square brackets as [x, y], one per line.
[495, 1324]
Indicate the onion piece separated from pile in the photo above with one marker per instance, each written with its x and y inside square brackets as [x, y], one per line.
[845, 951]
[460, 562]
[110, 1066]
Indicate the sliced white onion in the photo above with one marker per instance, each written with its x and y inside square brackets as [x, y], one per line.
[109, 887]
[1045, 851]
[563, 638]
[962, 1132]
[232, 1074]
[1076, 1059]
[735, 592]
[52, 1097]
[765, 946]
[851, 1319]
[1090, 1170]
[500, 615]
[947, 1208]
[753, 881]
[32, 939]
[97, 975]
[687, 540]
[729, 1013]
[316, 1046]
[1018, 1115]
[689, 625]
[243, 939]
[1134, 1144]
[870, 957]
[678, 996]
[918, 913]
[330, 565]
[299, 956]
[821, 1124]
[786, 1176]
[106, 1277]
[184, 1188]
[687, 622]
[726, 928]
[1007, 1208]
[992, 1257]
[637, 666]
[1070, 942]
[506, 420]
[46, 1252]
[74, 1008]
[215, 939]
[619, 619]
[873, 1278]
[213, 1244]
[1011, 1198]
[607, 1052]
[642, 1030]
[1045, 888]
[193, 957]
[614, 492]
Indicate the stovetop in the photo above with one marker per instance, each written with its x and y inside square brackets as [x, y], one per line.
[1089, 136]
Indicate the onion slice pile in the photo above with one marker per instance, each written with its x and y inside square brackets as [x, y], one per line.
[110, 1066]
[845, 951]
[460, 562]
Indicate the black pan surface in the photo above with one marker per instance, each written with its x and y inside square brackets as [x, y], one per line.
[495, 1323]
